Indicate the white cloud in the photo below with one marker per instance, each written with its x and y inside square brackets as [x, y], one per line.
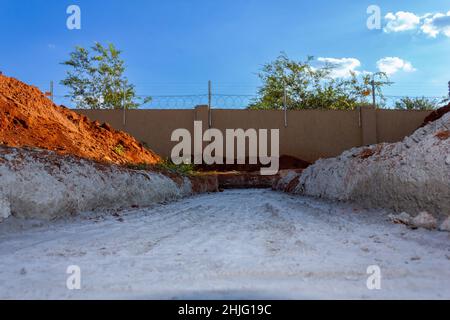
[343, 66]
[401, 21]
[391, 65]
[435, 24]
[431, 24]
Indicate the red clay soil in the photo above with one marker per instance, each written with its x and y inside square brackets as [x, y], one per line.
[292, 185]
[29, 119]
[368, 152]
[443, 135]
[435, 115]
[204, 183]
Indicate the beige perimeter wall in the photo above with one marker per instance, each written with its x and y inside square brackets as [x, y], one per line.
[309, 135]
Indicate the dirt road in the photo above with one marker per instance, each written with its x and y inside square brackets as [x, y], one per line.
[236, 244]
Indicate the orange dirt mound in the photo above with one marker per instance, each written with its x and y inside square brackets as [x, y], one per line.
[29, 119]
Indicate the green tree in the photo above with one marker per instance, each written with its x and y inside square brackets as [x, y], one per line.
[96, 79]
[418, 103]
[304, 86]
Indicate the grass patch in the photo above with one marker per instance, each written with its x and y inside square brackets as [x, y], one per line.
[167, 166]
[183, 169]
[119, 149]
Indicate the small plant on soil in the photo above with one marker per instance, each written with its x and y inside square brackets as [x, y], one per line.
[166, 165]
[183, 169]
[119, 149]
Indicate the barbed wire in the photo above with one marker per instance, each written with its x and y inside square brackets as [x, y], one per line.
[229, 101]
[234, 101]
[226, 101]
[234, 95]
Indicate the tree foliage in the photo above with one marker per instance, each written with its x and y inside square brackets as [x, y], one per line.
[304, 86]
[96, 79]
[419, 103]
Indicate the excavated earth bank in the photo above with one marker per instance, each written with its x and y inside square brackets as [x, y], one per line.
[55, 162]
[29, 119]
[435, 115]
[44, 185]
[412, 175]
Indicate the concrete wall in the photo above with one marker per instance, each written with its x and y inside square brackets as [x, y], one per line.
[309, 135]
[394, 125]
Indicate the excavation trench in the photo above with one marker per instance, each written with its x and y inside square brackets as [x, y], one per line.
[251, 244]
[248, 176]
[248, 180]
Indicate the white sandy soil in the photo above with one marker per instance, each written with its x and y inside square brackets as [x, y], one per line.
[41, 184]
[412, 175]
[240, 244]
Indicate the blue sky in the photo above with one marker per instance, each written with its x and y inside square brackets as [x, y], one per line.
[175, 47]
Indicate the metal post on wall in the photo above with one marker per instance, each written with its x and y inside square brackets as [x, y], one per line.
[51, 91]
[124, 119]
[374, 101]
[359, 117]
[209, 103]
[285, 107]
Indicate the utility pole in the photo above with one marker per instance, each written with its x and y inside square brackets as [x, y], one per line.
[209, 103]
[449, 89]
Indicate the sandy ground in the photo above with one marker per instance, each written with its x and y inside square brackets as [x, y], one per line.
[235, 245]
[412, 175]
